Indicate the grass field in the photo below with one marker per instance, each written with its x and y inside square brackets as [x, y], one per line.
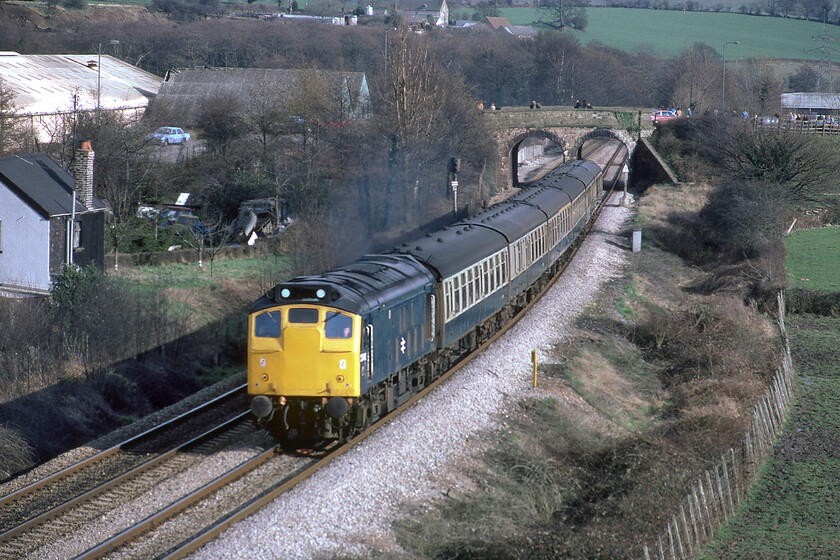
[813, 259]
[667, 33]
[792, 511]
[193, 292]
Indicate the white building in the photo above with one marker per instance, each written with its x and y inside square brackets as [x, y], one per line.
[49, 88]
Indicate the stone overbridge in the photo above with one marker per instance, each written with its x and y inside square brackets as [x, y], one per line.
[567, 127]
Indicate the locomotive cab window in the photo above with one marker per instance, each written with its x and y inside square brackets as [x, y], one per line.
[338, 325]
[267, 325]
[303, 315]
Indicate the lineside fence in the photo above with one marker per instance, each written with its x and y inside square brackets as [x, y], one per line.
[822, 127]
[720, 489]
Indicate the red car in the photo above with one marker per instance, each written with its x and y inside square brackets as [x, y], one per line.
[663, 115]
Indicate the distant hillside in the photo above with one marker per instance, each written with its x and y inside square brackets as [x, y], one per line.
[666, 33]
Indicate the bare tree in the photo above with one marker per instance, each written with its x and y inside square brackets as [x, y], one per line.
[759, 87]
[208, 238]
[11, 133]
[426, 114]
[221, 120]
[694, 79]
[562, 13]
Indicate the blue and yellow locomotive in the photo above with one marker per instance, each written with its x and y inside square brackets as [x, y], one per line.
[329, 354]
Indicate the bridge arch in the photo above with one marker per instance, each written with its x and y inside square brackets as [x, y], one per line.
[511, 149]
[598, 133]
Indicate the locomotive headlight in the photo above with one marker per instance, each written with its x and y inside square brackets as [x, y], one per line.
[321, 293]
[285, 292]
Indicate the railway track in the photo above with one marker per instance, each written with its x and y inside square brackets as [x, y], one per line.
[175, 529]
[54, 505]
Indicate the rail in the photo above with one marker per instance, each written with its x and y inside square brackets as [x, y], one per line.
[88, 462]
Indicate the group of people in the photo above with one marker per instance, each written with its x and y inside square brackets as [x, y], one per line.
[805, 117]
[582, 104]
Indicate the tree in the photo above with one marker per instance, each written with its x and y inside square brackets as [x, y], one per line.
[693, 80]
[10, 129]
[426, 114]
[125, 171]
[761, 89]
[561, 13]
[220, 119]
[804, 79]
[802, 163]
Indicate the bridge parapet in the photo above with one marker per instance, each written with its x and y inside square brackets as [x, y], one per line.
[559, 115]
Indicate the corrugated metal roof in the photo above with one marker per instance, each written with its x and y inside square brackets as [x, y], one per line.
[184, 89]
[827, 101]
[46, 84]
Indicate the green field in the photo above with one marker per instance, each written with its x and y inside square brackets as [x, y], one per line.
[669, 32]
[813, 259]
[792, 510]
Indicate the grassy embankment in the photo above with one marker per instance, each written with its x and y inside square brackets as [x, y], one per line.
[161, 334]
[657, 383]
[792, 511]
[205, 298]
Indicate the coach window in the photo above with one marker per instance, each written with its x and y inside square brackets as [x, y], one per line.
[267, 325]
[303, 315]
[338, 325]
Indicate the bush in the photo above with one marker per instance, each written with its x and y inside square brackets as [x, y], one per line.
[745, 216]
[15, 453]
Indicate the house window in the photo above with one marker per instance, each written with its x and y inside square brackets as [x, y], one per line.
[77, 235]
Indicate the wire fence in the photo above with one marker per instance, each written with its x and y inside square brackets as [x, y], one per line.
[719, 490]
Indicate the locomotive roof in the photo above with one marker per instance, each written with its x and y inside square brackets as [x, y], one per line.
[450, 250]
[357, 287]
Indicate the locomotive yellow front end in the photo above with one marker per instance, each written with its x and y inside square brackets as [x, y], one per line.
[303, 367]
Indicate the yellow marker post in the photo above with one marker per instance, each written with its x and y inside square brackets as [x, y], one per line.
[534, 361]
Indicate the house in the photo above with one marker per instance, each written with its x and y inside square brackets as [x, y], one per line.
[434, 13]
[183, 90]
[520, 31]
[496, 23]
[48, 218]
[50, 89]
[502, 24]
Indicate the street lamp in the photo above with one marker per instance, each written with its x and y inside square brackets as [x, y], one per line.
[723, 82]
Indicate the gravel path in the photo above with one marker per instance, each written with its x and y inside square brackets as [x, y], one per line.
[348, 507]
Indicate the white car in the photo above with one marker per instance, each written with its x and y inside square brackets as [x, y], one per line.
[166, 135]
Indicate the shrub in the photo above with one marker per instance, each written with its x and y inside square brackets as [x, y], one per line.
[15, 453]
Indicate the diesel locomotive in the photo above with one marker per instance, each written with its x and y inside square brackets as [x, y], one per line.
[329, 354]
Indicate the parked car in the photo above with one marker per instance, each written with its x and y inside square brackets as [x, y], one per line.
[663, 115]
[166, 135]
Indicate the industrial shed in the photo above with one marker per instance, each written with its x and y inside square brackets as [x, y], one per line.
[184, 90]
[49, 89]
[815, 103]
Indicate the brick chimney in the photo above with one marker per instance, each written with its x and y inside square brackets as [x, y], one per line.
[84, 173]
